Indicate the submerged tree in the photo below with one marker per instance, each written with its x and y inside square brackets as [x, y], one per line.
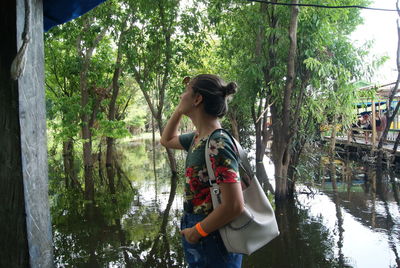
[278, 71]
[160, 39]
[291, 64]
[79, 55]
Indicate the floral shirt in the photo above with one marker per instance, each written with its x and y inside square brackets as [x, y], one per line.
[224, 161]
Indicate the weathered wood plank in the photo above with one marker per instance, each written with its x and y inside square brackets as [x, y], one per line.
[32, 117]
[25, 228]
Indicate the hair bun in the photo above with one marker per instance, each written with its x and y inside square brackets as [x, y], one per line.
[231, 88]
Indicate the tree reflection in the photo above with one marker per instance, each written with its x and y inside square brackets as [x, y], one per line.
[138, 225]
[395, 188]
[372, 179]
[303, 242]
[161, 254]
[338, 215]
[390, 223]
[121, 228]
[371, 207]
[95, 236]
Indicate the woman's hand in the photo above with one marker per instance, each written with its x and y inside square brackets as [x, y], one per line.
[191, 235]
[170, 134]
[179, 108]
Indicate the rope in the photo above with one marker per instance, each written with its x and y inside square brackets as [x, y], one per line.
[19, 62]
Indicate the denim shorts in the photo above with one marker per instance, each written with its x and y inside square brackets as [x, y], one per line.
[209, 251]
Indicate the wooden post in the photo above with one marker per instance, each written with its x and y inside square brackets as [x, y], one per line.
[25, 236]
[379, 105]
[373, 124]
[396, 120]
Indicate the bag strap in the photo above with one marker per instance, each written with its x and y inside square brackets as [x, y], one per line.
[240, 153]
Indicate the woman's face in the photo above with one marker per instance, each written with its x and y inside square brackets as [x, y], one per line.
[187, 98]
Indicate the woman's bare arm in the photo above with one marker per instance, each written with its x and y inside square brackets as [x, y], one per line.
[170, 135]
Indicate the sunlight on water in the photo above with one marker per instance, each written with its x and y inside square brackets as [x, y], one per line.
[363, 246]
[350, 227]
[152, 195]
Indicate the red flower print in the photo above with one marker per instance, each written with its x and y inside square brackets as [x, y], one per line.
[205, 191]
[201, 197]
[220, 170]
[212, 162]
[197, 201]
[189, 172]
[208, 196]
[223, 174]
[194, 184]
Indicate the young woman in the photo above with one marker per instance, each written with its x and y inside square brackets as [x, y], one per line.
[204, 102]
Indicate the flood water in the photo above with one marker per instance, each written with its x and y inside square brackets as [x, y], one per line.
[353, 223]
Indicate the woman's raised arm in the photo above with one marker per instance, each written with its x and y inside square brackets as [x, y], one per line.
[170, 134]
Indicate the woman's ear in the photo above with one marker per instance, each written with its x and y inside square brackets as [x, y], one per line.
[198, 99]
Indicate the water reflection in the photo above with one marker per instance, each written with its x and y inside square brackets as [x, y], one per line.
[370, 217]
[135, 227]
[304, 241]
[352, 219]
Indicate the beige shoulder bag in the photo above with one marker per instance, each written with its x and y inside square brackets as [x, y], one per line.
[257, 225]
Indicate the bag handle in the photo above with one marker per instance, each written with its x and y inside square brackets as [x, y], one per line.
[240, 153]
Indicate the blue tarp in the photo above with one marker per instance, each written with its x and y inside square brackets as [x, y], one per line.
[56, 12]
[369, 104]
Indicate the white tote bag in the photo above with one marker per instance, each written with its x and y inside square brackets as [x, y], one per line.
[257, 225]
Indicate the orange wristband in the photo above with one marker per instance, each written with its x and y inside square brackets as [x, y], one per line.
[200, 230]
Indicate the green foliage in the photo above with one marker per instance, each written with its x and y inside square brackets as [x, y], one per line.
[160, 43]
[63, 76]
[113, 129]
[253, 50]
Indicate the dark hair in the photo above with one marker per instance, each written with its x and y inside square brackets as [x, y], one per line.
[215, 92]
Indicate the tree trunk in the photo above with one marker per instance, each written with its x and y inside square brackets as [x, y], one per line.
[294, 161]
[234, 125]
[100, 162]
[87, 137]
[295, 158]
[390, 118]
[85, 116]
[282, 129]
[153, 147]
[261, 144]
[111, 117]
[281, 163]
[396, 144]
[71, 179]
[260, 116]
[170, 153]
